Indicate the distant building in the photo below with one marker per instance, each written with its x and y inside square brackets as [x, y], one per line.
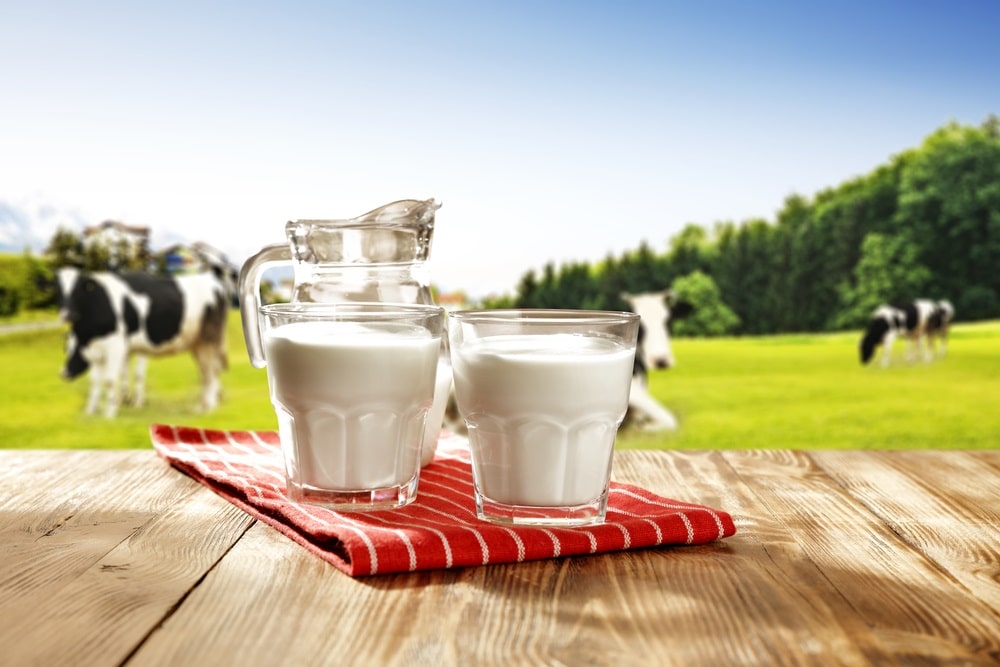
[452, 301]
[125, 245]
[113, 231]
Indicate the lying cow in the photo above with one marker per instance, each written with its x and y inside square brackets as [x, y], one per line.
[115, 316]
[656, 311]
[922, 323]
[653, 350]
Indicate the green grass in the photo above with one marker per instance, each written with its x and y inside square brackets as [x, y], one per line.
[41, 410]
[810, 391]
[27, 316]
[805, 391]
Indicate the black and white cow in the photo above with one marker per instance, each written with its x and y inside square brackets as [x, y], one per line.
[938, 327]
[113, 317]
[656, 311]
[923, 323]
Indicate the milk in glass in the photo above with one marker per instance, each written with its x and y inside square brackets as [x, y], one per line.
[352, 400]
[543, 412]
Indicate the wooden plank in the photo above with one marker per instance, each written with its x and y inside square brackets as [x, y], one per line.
[88, 589]
[62, 515]
[869, 558]
[591, 610]
[26, 475]
[726, 603]
[915, 610]
[946, 504]
[783, 608]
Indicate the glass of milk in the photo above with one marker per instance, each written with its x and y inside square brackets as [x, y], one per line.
[543, 393]
[352, 384]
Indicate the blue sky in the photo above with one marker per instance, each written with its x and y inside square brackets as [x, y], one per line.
[551, 131]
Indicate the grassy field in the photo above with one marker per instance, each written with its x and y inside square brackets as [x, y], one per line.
[806, 391]
[41, 410]
[810, 391]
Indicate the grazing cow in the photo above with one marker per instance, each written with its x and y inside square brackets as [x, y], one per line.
[656, 311]
[921, 322]
[938, 326]
[115, 316]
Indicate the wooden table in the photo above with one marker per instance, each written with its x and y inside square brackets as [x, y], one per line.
[842, 558]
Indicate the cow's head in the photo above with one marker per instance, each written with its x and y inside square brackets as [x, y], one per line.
[874, 335]
[85, 305]
[884, 320]
[66, 279]
[656, 311]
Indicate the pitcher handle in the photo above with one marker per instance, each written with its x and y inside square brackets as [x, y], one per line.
[250, 276]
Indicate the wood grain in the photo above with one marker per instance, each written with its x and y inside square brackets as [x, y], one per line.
[842, 558]
[104, 556]
[945, 504]
[913, 610]
[594, 614]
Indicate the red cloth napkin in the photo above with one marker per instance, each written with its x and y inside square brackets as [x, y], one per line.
[439, 529]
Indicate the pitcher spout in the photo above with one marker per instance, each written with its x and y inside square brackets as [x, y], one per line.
[412, 213]
[402, 211]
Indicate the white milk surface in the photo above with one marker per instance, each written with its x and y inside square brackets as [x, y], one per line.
[543, 412]
[351, 400]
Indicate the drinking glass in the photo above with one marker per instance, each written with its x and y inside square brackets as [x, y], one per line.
[543, 393]
[351, 384]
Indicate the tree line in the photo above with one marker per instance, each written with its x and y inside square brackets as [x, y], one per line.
[924, 225]
[27, 281]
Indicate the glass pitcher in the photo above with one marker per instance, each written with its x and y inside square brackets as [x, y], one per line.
[379, 256]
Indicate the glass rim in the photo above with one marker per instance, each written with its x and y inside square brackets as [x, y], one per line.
[353, 308]
[360, 225]
[544, 315]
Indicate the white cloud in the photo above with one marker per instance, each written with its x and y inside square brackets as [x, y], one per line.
[31, 221]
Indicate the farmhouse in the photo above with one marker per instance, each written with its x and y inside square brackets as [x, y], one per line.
[126, 243]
